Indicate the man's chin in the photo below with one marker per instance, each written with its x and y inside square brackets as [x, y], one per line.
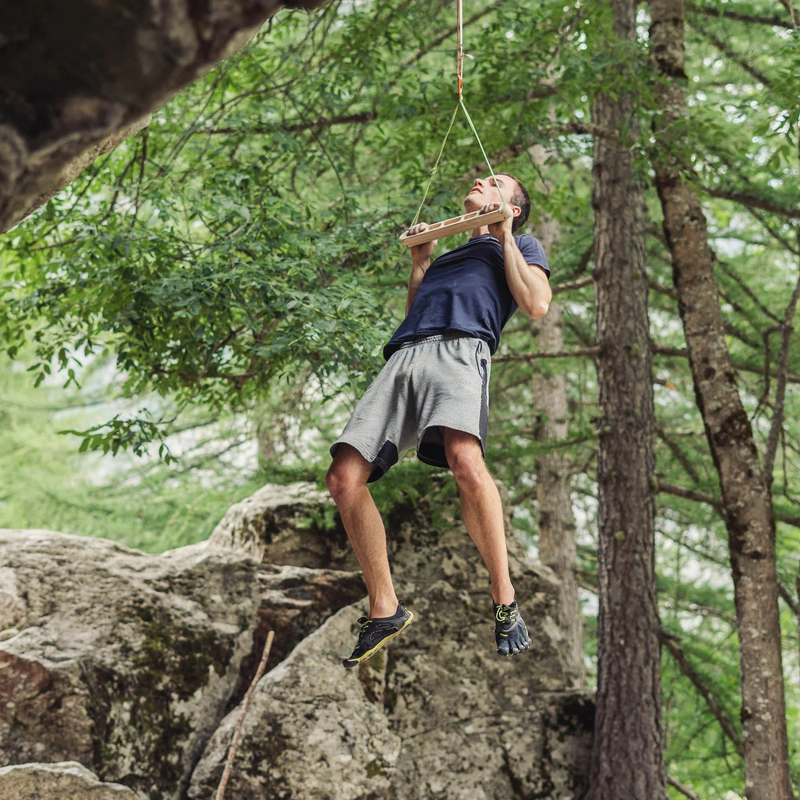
[471, 204]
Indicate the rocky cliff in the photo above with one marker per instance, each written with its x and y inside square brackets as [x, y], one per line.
[134, 666]
[78, 77]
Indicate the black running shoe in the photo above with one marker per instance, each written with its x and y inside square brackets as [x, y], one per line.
[510, 632]
[376, 632]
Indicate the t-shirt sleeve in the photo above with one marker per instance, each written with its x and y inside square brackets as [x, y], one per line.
[532, 251]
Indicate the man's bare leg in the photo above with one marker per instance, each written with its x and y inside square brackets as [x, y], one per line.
[481, 508]
[347, 483]
[483, 515]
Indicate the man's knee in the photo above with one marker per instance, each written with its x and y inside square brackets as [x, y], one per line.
[340, 480]
[349, 471]
[467, 464]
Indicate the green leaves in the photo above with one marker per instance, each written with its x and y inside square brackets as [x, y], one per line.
[121, 434]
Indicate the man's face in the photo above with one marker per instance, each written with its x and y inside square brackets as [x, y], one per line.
[485, 191]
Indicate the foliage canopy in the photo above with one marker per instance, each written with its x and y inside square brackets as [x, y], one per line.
[242, 250]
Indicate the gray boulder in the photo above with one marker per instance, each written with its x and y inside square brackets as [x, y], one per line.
[295, 601]
[134, 665]
[122, 661]
[295, 524]
[312, 730]
[60, 781]
[438, 713]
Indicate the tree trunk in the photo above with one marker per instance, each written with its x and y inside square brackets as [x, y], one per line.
[555, 521]
[747, 505]
[627, 761]
[797, 614]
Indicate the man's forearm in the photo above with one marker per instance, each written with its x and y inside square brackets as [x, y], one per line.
[418, 270]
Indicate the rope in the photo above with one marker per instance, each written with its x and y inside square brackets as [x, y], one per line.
[435, 166]
[483, 152]
[460, 47]
[460, 76]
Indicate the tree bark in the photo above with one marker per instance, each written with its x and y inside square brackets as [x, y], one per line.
[627, 761]
[555, 521]
[746, 502]
[797, 614]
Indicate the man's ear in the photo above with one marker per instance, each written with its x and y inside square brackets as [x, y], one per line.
[517, 210]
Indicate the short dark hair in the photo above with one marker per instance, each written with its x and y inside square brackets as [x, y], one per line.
[520, 198]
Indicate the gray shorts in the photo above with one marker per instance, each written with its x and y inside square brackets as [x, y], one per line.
[430, 383]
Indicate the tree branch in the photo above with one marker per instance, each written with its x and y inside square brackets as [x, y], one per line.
[773, 233]
[767, 357]
[727, 50]
[591, 352]
[585, 259]
[780, 390]
[315, 124]
[665, 290]
[717, 12]
[364, 116]
[446, 35]
[690, 494]
[716, 502]
[586, 351]
[789, 600]
[751, 201]
[546, 132]
[684, 790]
[792, 12]
[670, 642]
[675, 352]
[567, 287]
[676, 451]
[736, 278]
[226, 772]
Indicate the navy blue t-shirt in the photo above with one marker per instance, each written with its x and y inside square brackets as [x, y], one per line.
[465, 290]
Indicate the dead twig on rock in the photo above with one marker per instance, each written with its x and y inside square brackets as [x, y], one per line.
[238, 732]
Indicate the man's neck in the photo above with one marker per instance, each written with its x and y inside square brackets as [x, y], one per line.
[479, 231]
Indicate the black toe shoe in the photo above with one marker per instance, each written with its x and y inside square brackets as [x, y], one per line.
[376, 632]
[510, 632]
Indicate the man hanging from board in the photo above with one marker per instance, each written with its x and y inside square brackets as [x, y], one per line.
[433, 393]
